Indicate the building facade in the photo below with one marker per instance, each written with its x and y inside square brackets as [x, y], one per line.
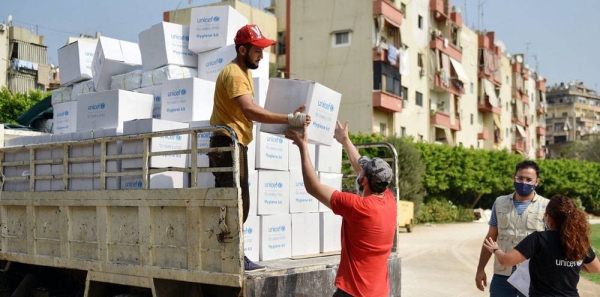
[573, 112]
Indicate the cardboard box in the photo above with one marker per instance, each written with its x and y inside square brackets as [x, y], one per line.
[333, 180]
[253, 189]
[211, 63]
[272, 152]
[58, 153]
[128, 81]
[300, 200]
[157, 144]
[305, 234]
[80, 88]
[109, 109]
[113, 148]
[41, 170]
[329, 158]
[187, 100]
[75, 60]
[322, 104]
[163, 180]
[252, 237]
[276, 237]
[61, 95]
[79, 150]
[157, 76]
[113, 57]
[330, 232]
[213, 27]
[166, 43]
[273, 192]
[295, 163]
[155, 91]
[65, 117]
[261, 85]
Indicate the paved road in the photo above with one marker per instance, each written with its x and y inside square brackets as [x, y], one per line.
[441, 260]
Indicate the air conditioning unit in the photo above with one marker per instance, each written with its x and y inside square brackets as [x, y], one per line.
[2, 27]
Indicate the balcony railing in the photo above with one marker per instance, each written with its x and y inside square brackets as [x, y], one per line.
[486, 107]
[440, 9]
[540, 110]
[541, 85]
[452, 87]
[516, 120]
[437, 42]
[383, 56]
[540, 153]
[484, 135]
[540, 131]
[386, 102]
[443, 119]
[388, 10]
[519, 145]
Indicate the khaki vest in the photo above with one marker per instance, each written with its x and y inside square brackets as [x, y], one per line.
[512, 228]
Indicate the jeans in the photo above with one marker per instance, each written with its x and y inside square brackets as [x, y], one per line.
[223, 159]
[341, 293]
[500, 287]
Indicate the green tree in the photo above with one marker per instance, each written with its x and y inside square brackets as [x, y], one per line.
[13, 105]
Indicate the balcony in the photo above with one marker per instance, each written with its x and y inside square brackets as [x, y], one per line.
[386, 102]
[519, 146]
[525, 74]
[452, 86]
[517, 67]
[437, 42]
[516, 120]
[540, 131]
[443, 119]
[456, 18]
[486, 107]
[389, 11]
[383, 56]
[540, 111]
[540, 153]
[484, 135]
[440, 9]
[541, 85]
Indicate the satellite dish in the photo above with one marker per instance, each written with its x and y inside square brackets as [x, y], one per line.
[9, 20]
[519, 59]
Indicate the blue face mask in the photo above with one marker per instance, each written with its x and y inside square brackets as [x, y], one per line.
[523, 189]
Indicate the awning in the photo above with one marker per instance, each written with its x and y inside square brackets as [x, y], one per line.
[498, 124]
[488, 87]
[448, 134]
[521, 131]
[460, 71]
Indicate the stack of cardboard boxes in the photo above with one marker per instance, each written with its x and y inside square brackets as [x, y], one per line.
[116, 87]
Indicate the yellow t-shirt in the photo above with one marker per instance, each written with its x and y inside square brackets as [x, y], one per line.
[231, 83]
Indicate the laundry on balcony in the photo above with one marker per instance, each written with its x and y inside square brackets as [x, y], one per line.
[18, 64]
[498, 125]
[392, 54]
[490, 91]
[403, 69]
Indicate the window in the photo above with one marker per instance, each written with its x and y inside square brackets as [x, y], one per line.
[281, 43]
[564, 114]
[383, 129]
[419, 60]
[404, 94]
[506, 132]
[403, 10]
[472, 119]
[507, 79]
[420, 23]
[472, 88]
[341, 38]
[402, 131]
[419, 99]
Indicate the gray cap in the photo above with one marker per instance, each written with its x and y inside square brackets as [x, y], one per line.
[376, 170]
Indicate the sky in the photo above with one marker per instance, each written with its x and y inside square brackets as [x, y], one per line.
[560, 38]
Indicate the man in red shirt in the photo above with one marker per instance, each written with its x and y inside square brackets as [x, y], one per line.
[368, 219]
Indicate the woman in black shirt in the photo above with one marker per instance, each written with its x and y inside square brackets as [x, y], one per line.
[556, 255]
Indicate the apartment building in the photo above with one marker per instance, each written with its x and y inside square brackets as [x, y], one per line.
[407, 68]
[26, 60]
[573, 112]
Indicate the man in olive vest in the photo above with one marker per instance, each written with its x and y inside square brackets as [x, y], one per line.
[514, 216]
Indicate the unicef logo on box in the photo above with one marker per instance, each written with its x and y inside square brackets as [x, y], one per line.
[62, 114]
[215, 62]
[275, 139]
[216, 18]
[173, 137]
[326, 105]
[180, 92]
[97, 106]
[156, 98]
[277, 229]
[248, 230]
[133, 185]
[274, 185]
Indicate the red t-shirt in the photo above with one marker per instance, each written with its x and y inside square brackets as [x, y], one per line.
[368, 227]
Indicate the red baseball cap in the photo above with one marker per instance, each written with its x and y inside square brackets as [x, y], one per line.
[252, 34]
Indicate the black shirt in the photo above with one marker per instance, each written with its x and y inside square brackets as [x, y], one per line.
[551, 273]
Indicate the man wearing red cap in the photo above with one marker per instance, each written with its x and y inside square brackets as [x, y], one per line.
[234, 107]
